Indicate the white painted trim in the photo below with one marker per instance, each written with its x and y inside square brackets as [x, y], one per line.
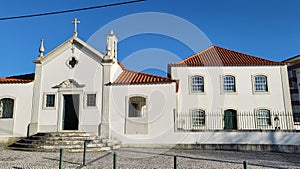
[67, 44]
[14, 108]
[14, 117]
[253, 84]
[44, 107]
[256, 120]
[61, 108]
[222, 84]
[85, 100]
[190, 84]
[127, 103]
[205, 117]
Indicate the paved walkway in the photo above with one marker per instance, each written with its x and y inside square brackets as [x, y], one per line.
[150, 158]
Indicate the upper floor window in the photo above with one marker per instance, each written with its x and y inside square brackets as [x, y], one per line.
[197, 84]
[263, 117]
[260, 83]
[229, 84]
[6, 108]
[137, 106]
[198, 118]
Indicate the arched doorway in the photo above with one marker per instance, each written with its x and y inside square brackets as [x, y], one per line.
[230, 119]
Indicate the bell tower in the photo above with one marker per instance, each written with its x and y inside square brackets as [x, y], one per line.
[111, 47]
[110, 64]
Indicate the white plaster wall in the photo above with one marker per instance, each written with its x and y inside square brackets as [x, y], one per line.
[88, 71]
[243, 100]
[116, 71]
[22, 93]
[161, 102]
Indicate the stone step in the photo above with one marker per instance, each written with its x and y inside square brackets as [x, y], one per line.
[65, 141]
[73, 146]
[70, 141]
[72, 150]
[18, 144]
[57, 138]
[66, 134]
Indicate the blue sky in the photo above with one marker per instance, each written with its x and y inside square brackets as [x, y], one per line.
[264, 28]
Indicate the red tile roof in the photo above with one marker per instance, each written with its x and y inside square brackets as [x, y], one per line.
[132, 77]
[129, 77]
[217, 56]
[18, 79]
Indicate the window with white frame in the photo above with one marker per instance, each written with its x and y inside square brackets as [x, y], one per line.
[198, 118]
[91, 100]
[6, 108]
[260, 83]
[50, 100]
[137, 106]
[263, 117]
[229, 84]
[197, 84]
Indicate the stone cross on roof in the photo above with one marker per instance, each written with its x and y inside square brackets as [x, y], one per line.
[75, 22]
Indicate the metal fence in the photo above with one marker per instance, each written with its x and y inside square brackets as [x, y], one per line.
[232, 120]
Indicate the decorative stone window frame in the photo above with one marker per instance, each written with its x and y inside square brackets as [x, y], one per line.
[257, 119]
[14, 108]
[85, 100]
[223, 92]
[190, 85]
[200, 127]
[45, 100]
[253, 84]
[127, 106]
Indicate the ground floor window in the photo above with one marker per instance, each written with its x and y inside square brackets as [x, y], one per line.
[198, 118]
[6, 108]
[263, 117]
[137, 106]
[50, 100]
[91, 100]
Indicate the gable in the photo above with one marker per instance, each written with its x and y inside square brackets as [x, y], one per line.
[71, 43]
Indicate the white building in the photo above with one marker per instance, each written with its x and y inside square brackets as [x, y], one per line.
[231, 90]
[77, 88]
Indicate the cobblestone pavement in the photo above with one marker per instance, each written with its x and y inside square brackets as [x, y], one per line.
[150, 158]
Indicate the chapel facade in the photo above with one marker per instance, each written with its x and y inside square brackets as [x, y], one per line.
[77, 88]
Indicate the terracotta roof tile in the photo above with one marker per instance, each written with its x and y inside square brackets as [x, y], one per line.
[18, 79]
[129, 77]
[217, 56]
[132, 77]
